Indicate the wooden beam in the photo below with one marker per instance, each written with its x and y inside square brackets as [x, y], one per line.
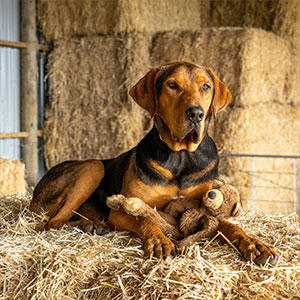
[21, 134]
[29, 90]
[21, 45]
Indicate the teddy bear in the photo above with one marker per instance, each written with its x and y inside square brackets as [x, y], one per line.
[186, 220]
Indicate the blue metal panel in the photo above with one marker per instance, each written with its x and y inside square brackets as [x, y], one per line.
[9, 77]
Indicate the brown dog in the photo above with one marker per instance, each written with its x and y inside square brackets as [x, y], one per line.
[175, 159]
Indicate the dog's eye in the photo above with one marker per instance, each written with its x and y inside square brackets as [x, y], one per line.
[226, 201]
[173, 85]
[205, 87]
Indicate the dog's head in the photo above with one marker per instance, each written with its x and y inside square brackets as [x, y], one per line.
[182, 97]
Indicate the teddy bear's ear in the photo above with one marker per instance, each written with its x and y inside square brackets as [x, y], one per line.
[217, 183]
[236, 210]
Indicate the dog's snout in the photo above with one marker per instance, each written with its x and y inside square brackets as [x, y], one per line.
[195, 114]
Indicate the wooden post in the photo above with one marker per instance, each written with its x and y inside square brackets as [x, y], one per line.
[29, 90]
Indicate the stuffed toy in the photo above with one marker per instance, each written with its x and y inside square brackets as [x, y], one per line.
[186, 220]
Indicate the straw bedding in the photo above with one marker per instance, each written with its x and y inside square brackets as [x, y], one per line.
[70, 264]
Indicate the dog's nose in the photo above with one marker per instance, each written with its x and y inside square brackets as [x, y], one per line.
[195, 114]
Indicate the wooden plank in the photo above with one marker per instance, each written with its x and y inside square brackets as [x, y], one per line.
[29, 110]
[21, 45]
[21, 134]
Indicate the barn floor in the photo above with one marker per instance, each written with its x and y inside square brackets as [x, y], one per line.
[70, 264]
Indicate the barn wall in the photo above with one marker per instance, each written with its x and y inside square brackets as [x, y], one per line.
[9, 78]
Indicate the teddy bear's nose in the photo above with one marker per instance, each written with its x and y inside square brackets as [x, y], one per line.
[212, 195]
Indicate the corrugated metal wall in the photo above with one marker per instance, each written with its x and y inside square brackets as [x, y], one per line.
[9, 78]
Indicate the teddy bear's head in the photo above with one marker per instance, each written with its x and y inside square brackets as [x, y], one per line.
[223, 201]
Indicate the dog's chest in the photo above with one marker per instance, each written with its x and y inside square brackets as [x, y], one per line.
[186, 169]
[179, 176]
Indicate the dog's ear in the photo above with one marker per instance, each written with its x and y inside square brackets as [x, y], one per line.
[143, 92]
[222, 95]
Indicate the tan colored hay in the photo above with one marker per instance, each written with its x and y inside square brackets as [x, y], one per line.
[90, 113]
[279, 16]
[70, 264]
[64, 19]
[287, 21]
[61, 19]
[12, 177]
[156, 15]
[256, 65]
[261, 129]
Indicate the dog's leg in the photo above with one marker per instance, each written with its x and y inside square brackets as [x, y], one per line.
[251, 248]
[65, 188]
[152, 237]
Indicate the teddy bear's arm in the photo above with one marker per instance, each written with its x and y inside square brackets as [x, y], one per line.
[178, 206]
[138, 208]
[209, 229]
[190, 221]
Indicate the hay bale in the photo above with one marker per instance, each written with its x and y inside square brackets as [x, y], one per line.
[70, 264]
[232, 13]
[256, 65]
[155, 15]
[12, 177]
[287, 21]
[279, 16]
[263, 129]
[135, 56]
[90, 113]
[64, 19]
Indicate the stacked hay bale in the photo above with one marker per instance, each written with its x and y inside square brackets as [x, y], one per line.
[12, 177]
[89, 113]
[69, 18]
[279, 16]
[264, 115]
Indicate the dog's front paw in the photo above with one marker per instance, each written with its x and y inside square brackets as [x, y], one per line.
[155, 242]
[158, 245]
[258, 252]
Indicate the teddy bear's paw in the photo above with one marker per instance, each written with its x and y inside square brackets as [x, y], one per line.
[133, 206]
[115, 201]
